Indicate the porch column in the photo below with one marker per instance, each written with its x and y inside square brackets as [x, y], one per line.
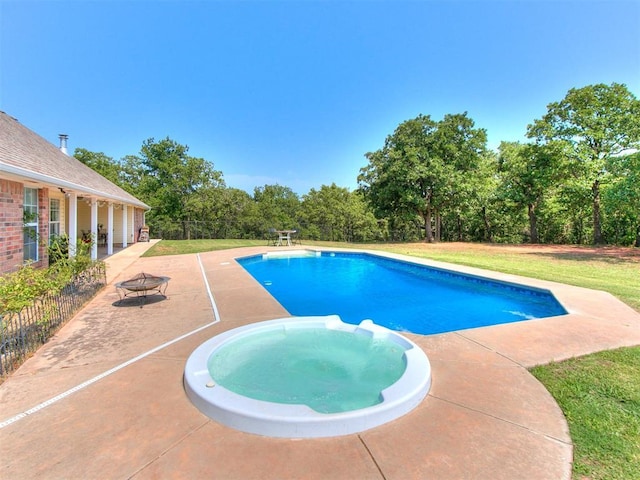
[124, 225]
[94, 229]
[110, 229]
[73, 224]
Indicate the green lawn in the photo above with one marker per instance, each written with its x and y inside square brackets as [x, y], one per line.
[600, 396]
[615, 275]
[178, 247]
[599, 393]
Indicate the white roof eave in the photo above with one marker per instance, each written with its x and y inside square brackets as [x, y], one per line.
[38, 177]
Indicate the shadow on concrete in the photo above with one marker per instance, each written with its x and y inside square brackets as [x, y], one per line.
[140, 301]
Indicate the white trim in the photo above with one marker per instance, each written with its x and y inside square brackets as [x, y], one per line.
[35, 223]
[28, 174]
[55, 222]
[125, 225]
[73, 223]
[94, 229]
[110, 229]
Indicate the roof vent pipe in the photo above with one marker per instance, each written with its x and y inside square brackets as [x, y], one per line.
[63, 143]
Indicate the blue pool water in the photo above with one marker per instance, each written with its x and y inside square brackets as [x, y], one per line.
[399, 295]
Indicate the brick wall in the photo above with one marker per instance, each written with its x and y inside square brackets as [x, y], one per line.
[11, 223]
[11, 234]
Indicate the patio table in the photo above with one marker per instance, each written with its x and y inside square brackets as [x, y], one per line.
[284, 236]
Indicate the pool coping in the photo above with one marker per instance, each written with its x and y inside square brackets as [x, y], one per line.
[484, 417]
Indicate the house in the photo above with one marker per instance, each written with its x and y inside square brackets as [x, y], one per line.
[45, 193]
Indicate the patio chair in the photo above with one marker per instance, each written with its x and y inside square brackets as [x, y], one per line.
[272, 237]
[295, 238]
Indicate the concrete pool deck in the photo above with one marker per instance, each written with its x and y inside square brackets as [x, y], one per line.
[104, 398]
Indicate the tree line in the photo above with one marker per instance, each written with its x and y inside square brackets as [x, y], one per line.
[576, 181]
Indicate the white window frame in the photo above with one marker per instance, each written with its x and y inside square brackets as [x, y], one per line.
[54, 225]
[30, 215]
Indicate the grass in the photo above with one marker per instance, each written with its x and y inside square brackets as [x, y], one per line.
[616, 275]
[600, 396]
[612, 274]
[179, 247]
[599, 393]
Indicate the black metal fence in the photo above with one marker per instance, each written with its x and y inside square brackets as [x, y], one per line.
[25, 331]
[198, 230]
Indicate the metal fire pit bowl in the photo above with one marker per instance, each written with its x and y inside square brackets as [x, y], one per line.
[142, 285]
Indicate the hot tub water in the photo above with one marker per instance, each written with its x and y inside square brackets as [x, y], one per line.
[290, 377]
[328, 370]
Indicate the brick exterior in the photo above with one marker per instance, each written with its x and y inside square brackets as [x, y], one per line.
[11, 235]
[29, 159]
[11, 226]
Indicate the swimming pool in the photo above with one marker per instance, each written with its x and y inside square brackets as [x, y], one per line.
[399, 295]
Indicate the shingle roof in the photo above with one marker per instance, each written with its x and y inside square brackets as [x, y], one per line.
[26, 154]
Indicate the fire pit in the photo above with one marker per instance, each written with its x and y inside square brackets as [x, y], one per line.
[142, 285]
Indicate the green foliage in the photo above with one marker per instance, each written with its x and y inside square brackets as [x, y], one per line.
[529, 176]
[238, 216]
[58, 249]
[101, 163]
[622, 200]
[477, 214]
[177, 186]
[424, 168]
[336, 214]
[277, 206]
[595, 123]
[20, 288]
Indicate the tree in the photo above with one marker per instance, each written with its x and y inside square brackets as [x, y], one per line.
[480, 201]
[336, 214]
[236, 216]
[278, 207]
[529, 173]
[101, 163]
[596, 122]
[622, 199]
[131, 173]
[423, 168]
[174, 184]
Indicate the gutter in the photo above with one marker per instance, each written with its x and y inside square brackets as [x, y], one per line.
[71, 186]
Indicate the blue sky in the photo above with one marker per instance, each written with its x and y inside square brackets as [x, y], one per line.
[296, 92]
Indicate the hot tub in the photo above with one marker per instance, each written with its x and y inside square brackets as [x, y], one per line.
[214, 377]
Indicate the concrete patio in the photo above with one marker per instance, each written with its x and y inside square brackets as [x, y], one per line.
[104, 398]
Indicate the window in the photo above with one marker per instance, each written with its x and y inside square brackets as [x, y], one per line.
[30, 220]
[54, 219]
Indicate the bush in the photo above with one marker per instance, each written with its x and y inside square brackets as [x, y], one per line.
[20, 288]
